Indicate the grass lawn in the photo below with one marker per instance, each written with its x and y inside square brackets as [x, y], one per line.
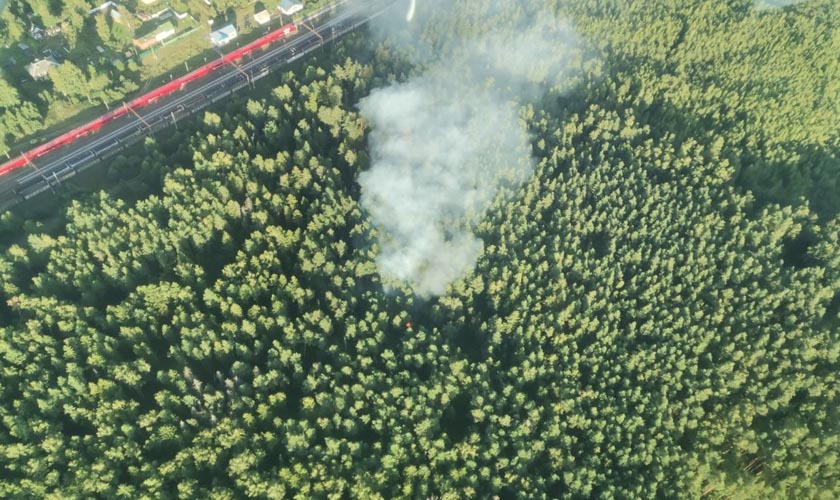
[166, 59]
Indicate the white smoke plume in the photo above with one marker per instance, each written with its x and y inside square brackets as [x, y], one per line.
[438, 159]
[774, 4]
[443, 143]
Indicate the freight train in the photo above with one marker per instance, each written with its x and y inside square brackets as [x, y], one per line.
[145, 99]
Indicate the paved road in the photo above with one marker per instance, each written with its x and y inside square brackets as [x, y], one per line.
[65, 162]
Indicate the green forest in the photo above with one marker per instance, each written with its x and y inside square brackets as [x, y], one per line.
[653, 311]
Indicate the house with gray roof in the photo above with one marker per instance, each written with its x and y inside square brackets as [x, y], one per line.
[38, 69]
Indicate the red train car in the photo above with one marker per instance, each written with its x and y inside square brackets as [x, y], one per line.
[138, 102]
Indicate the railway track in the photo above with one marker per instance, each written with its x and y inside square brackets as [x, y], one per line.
[46, 173]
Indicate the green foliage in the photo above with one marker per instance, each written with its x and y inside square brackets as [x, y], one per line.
[766, 82]
[19, 121]
[12, 28]
[103, 30]
[121, 34]
[69, 80]
[9, 96]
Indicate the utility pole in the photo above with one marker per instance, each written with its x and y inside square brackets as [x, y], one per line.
[127, 107]
[238, 68]
[28, 162]
[310, 28]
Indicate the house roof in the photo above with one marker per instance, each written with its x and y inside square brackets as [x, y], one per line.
[39, 69]
[104, 6]
[262, 17]
[289, 7]
[223, 35]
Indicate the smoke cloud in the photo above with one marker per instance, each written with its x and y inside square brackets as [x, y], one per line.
[774, 4]
[443, 143]
[438, 159]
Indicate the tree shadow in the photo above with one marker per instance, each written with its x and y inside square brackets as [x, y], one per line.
[231, 17]
[814, 177]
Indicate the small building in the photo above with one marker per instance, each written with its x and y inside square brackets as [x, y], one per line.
[104, 6]
[289, 7]
[38, 69]
[223, 35]
[181, 15]
[157, 35]
[55, 30]
[26, 49]
[37, 32]
[262, 17]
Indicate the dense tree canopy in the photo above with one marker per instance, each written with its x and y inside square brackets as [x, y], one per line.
[766, 81]
[652, 316]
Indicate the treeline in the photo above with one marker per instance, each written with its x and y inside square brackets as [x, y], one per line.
[764, 82]
[68, 86]
[641, 324]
